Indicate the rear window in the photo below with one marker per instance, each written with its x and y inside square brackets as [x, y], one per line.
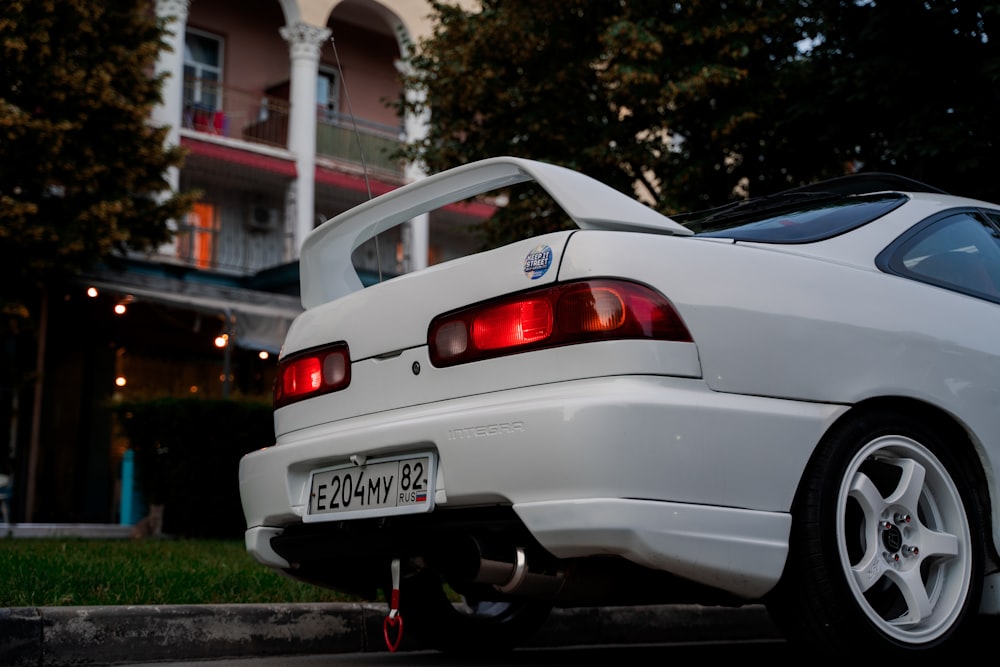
[798, 221]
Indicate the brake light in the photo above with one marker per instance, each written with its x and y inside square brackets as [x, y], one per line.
[312, 373]
[513, 324]
[551, 316]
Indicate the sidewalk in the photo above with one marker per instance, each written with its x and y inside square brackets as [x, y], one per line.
[110, 531]
[59, 636]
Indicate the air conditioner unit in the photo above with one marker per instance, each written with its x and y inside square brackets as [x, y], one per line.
[263, 219]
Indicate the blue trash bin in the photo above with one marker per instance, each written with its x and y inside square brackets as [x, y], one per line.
[132, 507]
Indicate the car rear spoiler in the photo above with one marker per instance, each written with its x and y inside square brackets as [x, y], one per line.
[326, 271]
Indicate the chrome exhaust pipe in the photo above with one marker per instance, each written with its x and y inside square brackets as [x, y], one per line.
[507, 572]
[518, 574]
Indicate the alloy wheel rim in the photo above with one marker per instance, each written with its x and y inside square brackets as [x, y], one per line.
[904, 540]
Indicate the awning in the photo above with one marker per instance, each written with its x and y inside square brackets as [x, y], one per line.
[260, 158]
[259, 320]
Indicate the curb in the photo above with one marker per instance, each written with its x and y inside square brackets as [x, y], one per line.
[134, 634]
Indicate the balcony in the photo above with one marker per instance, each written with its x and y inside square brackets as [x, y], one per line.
[225, 111]
[336, 138]
[254, 117]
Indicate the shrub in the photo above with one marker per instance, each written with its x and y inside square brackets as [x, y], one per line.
[187, 454]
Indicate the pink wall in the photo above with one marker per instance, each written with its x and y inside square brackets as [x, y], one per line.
[256, 56]
[368, 60]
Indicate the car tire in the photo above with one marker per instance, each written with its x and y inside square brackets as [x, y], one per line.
[470, 627]
[887, 543]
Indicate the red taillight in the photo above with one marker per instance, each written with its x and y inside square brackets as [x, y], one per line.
[512, 324]
[312, 373]
[589, 309]
[551, 316]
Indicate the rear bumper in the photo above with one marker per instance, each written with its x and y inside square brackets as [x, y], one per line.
[739, 551]
[661, 471]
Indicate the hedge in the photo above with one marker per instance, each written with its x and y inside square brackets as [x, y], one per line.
[187, 454]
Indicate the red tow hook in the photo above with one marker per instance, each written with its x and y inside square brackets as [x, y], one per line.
[393, 623]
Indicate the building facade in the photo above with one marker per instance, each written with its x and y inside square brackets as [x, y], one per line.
[286, 109]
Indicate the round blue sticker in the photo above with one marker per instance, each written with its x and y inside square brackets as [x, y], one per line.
[538, 262]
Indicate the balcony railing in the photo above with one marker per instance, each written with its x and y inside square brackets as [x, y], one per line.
[258, 118]
[230, 112]
[336, 137]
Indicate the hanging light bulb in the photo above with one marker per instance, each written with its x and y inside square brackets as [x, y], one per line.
[123, 304]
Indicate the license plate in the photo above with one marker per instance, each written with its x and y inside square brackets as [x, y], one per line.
[379, 488]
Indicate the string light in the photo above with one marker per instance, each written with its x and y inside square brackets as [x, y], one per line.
[122, 305]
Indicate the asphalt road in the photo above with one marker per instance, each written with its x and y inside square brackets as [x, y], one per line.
[709, 653]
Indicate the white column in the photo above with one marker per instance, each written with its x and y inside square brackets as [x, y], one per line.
[290, 249]
[419, 241]
[171, 63]
[169, 112]
[304, 42]
[419, 237]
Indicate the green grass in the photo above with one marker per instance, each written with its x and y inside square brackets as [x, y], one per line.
[62, 572]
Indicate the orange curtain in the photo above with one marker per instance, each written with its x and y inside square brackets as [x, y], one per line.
[201, 221]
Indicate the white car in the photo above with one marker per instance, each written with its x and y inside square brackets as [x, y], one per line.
[797, 405]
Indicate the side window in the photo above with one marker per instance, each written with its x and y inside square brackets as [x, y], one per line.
[960, 252]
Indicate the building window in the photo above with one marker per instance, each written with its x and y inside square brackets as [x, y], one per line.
[196, 238]
[328, 95]
[202, 71]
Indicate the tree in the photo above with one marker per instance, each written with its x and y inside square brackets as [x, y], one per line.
[697, 103]
[705, 87]
[515, 77]
[910, 89]
[670, 100]
[82, 172]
